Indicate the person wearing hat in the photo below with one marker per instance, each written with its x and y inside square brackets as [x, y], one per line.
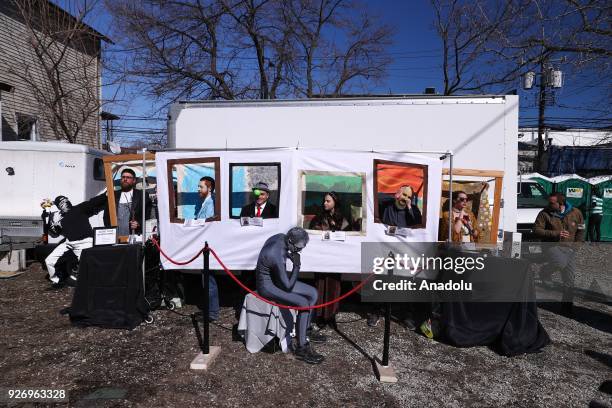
[73, 223]
[261, 207]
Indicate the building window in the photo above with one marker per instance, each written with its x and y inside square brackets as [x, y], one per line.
[27, 127]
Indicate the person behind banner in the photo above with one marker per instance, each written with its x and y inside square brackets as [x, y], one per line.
[465, 226]
[206, 207]
[330, 218]
[261, 207]
[329, 284]
[73, 223]
[277, 284]
[128, 205]
[403, 211]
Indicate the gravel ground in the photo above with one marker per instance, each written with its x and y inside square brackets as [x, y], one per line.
[149, 366]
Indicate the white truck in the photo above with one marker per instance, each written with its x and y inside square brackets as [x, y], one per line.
[480, 131]
[32, 171]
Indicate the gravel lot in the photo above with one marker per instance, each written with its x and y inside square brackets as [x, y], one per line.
[149, 366]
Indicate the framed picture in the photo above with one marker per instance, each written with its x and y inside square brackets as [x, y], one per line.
[332, 201]
[194, 189]
[114, 167]
[483, 190]
[400, 194]
[104, 236]
[254, 185]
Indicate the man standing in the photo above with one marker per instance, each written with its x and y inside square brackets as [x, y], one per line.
[73, 224]
[206, 190]
[261, 207]
[128, 205]
[403, 212]
[561, 222]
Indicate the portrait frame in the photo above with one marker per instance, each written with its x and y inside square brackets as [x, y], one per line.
[174, 218]
[302, 192]
[253, 164]
[132, 160]
[421, 167]
[475, 176]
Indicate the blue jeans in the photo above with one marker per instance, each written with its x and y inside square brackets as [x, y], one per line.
[213, 298]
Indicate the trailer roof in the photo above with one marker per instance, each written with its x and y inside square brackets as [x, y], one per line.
[50, 147]
[353, 100]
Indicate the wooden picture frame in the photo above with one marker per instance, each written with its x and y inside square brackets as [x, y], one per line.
[230, 200]
[496, 175]
[377, 216]
[119, 159]
[174, 218]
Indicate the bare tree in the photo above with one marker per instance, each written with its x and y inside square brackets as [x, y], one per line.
[61, 67]
[237, 49]
[490, 44]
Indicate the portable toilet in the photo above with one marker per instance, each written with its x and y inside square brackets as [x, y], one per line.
[542, 180]
[577, 191]
[604, 185]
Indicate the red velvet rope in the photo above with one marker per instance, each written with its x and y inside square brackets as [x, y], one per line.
[257, 295]
[161, 251]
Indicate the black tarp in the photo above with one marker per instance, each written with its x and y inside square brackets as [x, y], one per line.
[509, 328]
[573, 159]
[109, 291]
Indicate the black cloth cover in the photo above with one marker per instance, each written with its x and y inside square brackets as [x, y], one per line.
[109, 291]
[509, 328]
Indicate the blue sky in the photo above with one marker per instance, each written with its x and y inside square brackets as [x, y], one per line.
[416, 51]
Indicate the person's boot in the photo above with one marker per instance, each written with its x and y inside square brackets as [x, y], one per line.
[306, 354]
[373, 319]
[315, 336]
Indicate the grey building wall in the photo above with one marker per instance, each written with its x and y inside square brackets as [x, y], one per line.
[16, 53]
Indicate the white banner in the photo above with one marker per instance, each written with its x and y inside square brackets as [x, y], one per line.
[349, 174]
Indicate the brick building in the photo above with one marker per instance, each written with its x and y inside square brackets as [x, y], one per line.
[50, 85]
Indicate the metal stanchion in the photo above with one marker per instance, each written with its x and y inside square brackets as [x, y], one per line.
[205, 358]
[385, 371]
[206, 286]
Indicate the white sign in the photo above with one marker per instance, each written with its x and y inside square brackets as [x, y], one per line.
[105, 236]
[194, 223]
[574, 192]
[254, 221]
[401, 232]
[334, 236]
[607, 193]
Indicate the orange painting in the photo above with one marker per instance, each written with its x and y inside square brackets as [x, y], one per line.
[392, 176]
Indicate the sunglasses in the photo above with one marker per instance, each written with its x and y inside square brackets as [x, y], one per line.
[462, 199]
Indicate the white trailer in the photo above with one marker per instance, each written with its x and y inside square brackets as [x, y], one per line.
[32, 171]
[480, 131]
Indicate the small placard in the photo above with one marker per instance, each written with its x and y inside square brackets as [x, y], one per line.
[105, 236]
[396, 231]
[254, 221]
[194, 223]
[574, 192]
[333, 236]
[607, 193]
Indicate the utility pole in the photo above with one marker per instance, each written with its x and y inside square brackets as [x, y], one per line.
[541, 109]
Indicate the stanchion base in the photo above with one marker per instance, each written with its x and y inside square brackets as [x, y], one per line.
[385, 374]
[204, 361]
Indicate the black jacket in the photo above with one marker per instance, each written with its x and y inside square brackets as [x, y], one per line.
[391, 216]
[269, 211]
[74, 224]
[101, 202]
